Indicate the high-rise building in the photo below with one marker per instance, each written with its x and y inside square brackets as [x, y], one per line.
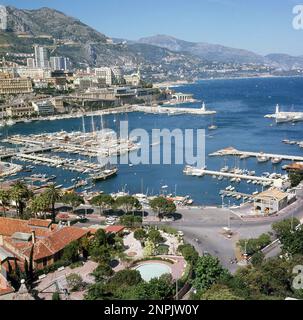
[41, 57]
[30, 62]
[60, 63]
[105, 74]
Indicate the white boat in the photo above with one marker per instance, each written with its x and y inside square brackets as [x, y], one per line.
[262, 159]
[224, 169]
[213, 127]
[10, 122]
[276, 160]
[249, 181]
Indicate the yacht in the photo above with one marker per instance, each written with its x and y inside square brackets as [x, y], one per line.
[224, 169]
[262, 159]
[276, 160]
[105, 174]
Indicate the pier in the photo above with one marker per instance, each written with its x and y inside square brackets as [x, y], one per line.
[248, 154]
[202, 172]
[174, 110]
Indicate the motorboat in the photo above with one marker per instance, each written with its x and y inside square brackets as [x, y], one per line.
[276, 160]
[262, 159]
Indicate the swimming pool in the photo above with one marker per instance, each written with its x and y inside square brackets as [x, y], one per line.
[150, 270]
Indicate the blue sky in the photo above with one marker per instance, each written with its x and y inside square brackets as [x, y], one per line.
[263, 26]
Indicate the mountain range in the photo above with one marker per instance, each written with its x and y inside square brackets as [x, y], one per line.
[85, 46]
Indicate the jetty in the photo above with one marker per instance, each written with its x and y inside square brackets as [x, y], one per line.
[285, 116]
[248, 154]
[174, 110]
[190, 171]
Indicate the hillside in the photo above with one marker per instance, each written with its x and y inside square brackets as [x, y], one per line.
[205, 51]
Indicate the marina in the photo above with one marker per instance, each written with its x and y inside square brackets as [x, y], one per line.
[75, 137]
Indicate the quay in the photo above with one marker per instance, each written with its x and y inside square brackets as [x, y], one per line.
[234, 152]
[31, 157]
[202, 172]
[227, 193]
[174, 110]
[11, 153]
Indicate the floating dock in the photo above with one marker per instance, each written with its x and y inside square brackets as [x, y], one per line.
[248, 154]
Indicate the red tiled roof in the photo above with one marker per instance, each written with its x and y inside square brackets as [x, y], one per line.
[57, 241]
[9, 226]
[114, 229]
[39, 223]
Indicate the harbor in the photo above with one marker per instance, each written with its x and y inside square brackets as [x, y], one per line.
[76, 137]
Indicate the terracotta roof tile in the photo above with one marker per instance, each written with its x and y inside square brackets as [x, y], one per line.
[39, 223]
[9, 226]
[114, 229]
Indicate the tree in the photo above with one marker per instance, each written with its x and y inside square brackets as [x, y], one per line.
[75, 282]
[162, 206]
[155, 236]
[31, 265]
[124, 278]
[4, 198]
[102, 272]
[73, 199]
[252, 246]
[295, 179]
[130, 221]
[20, 194]
[189, 253]
[219, 292]
[156, 289]
[140, 234]
[257, 259]
[149, 249]
[39, 204]
[290, 236]
[128, 204]
[97, 291]
[285, 227]
[103, 201]
[71, 252]
[208, 271]
[53, 195]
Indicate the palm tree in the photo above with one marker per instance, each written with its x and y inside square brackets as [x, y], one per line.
[39, 204]
[53, 195]
[20, 194]
[4, 199]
